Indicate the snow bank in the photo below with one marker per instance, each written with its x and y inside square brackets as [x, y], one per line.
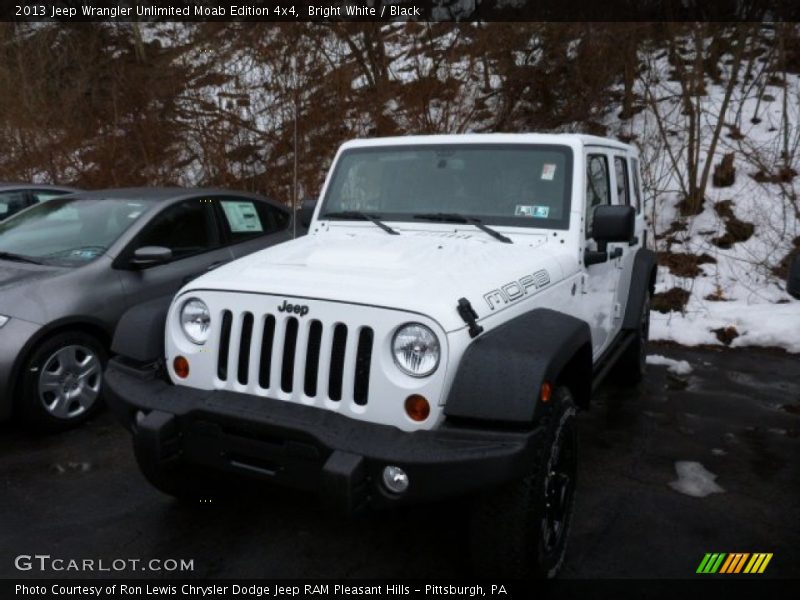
[766, 325]
[694, 480]
[676, 367]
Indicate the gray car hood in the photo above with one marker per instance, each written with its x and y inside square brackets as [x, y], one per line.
[34, 292]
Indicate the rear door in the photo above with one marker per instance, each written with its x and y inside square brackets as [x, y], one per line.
[626, 183]
[188, 228]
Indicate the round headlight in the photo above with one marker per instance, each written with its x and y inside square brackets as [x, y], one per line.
[416, 350]
[196, 320]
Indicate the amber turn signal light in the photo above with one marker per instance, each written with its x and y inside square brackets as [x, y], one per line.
[181, 367]
[546, 391]
[417, 407]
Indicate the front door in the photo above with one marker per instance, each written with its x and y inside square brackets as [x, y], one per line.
[600, 281]
[190, 230]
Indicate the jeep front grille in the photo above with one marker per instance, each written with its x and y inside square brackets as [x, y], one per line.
[296, 356]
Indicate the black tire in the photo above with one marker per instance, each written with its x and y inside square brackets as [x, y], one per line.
[62, 382]
[520, 530]
[631, 366]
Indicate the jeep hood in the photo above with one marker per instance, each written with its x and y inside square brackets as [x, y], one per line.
[424, 271]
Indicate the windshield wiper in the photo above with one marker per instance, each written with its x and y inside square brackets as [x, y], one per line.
[457, 218]
[19, 258]
[361, 216]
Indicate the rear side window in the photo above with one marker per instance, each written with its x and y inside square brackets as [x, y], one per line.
[637, 191]
[623, 184]
[244, 219]
[598, 189]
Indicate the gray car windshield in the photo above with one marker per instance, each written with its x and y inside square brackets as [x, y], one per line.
[70, 231]
[517, 185]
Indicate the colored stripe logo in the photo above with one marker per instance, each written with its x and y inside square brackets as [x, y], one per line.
[735, 562]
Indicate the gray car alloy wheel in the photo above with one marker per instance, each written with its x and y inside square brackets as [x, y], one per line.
[69, 381]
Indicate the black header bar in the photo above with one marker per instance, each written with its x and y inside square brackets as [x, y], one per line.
[399, 10]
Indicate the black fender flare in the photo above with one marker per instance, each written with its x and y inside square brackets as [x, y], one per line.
[501, 373]
[643, 280]
[140, 332]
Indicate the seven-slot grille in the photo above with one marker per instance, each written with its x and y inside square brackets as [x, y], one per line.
[299, 357]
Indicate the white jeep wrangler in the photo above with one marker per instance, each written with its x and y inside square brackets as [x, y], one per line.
[454, 302]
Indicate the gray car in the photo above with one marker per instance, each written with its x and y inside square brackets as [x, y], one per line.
[15, 197]
[70, 267]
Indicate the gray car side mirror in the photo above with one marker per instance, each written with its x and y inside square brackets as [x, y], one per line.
[148, 256]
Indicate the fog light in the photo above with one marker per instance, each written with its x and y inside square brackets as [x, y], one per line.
[417, 407]
[395, 479]
[181, 367]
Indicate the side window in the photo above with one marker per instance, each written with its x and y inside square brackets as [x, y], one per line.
[10, 203]
[45, 195]
[186, 229]
[623, 184]
[637, 191]
[598, 190]
[245, 219]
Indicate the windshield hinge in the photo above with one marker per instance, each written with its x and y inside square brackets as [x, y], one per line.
[470, 317]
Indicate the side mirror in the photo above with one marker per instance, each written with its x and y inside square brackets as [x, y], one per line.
[148, 256]
[615, 223]
[793, 281]
[306, 211]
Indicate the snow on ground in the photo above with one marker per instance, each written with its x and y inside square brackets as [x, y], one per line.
[694, 480]
[676, 367]
[736, 289]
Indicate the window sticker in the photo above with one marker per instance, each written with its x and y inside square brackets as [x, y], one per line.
[242, 216]
[548, 172]
[541, 212]
[523, 211]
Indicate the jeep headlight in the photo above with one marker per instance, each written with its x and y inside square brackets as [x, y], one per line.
[195, 320]
[416, 350]
[3, 320]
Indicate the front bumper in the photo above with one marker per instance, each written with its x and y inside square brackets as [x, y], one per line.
[308, 448]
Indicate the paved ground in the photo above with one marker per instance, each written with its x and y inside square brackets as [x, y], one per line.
[79, 495]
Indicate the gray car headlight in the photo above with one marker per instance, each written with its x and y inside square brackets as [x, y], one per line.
[196, 320]
[3, 320]
[416, 350]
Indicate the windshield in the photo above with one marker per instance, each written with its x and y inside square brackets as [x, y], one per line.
[517, 185]
[69, 231]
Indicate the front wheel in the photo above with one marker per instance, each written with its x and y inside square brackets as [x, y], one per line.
[520, 530]
[62, 382]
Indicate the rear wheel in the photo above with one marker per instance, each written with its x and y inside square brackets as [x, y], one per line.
[520, 530]
[62, 382]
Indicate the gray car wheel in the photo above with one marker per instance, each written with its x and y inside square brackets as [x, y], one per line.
[63, 381]
[69, 382]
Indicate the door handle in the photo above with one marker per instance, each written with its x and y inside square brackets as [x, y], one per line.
[615, 253]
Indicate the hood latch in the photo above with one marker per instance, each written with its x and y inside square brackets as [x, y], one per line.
[470, 317]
